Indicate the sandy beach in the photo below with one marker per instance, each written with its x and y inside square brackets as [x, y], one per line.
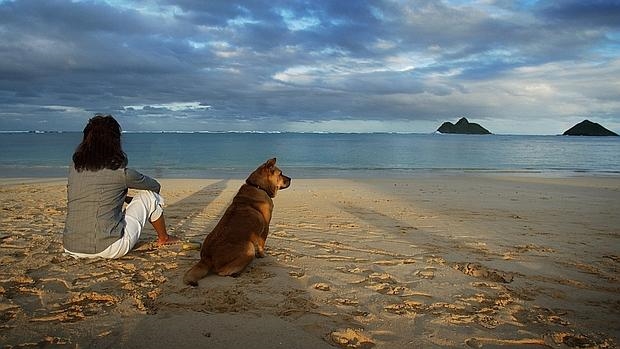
[442, 261]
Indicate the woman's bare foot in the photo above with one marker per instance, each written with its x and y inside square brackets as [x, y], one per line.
[169, 240]
[163, 238]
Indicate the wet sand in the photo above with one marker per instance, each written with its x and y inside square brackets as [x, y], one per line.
[471, 261]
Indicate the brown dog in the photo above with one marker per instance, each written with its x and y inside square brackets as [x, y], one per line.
[241, 233]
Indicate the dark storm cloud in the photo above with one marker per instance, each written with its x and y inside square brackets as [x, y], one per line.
[254, 64]
[594, 12]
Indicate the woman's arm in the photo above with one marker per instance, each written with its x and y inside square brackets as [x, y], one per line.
[136, 180]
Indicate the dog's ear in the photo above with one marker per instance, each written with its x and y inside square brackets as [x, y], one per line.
[270, 163]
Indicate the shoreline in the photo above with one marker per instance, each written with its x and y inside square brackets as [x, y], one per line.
[431, 261]
[46, 174]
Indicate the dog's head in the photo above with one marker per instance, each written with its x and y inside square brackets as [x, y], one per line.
[269, 178]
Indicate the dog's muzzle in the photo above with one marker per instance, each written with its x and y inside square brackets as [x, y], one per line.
[287, 182]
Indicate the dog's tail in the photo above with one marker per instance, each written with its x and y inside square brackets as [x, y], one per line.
[197, 272]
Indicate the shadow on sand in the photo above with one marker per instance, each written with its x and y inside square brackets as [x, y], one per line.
[183, 217]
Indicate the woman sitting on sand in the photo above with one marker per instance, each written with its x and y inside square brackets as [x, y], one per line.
[97, 225]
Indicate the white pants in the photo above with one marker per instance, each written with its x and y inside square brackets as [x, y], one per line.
[146, 205]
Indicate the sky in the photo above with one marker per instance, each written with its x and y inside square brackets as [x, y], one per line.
[515, 67]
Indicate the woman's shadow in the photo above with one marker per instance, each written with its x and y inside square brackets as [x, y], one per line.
[184, 216]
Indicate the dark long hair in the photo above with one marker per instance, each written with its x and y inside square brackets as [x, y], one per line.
[101, 146]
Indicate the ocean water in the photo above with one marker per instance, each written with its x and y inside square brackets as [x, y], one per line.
[306, 155]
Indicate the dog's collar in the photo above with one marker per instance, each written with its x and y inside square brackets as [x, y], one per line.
[256, 186]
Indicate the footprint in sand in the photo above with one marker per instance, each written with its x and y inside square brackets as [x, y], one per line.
[296, 273]
[393, 262]
[321, 286]
[480, 271]
[8, 312]
[383, 283]
[350, 338]
[404, 308]
[346, 301]
[427, 273]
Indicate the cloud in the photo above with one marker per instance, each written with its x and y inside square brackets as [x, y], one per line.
[170, 107]
[269, 65]
[597, 13]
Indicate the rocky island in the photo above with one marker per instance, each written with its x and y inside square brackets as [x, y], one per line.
[463, 126]
[588, 128]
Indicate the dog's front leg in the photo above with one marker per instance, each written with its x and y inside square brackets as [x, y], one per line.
[260, 251]
[260, 248]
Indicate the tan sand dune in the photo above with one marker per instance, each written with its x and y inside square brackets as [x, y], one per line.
[433, 261]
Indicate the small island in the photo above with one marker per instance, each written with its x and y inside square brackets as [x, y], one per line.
[463, 126]
[588, 128]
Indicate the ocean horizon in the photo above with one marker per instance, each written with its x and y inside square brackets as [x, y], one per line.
[214, 154]
[273, 132]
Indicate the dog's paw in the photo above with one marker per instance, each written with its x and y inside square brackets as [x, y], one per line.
[191, 283]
